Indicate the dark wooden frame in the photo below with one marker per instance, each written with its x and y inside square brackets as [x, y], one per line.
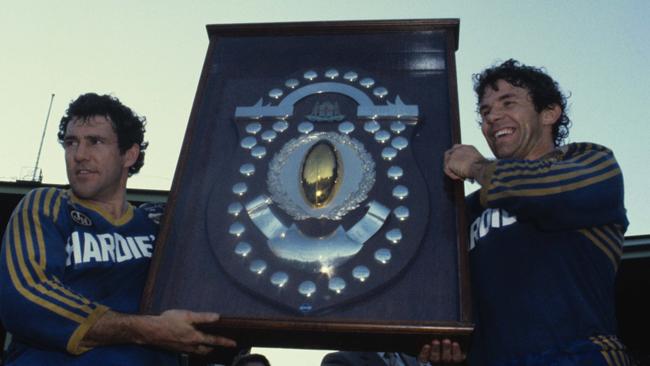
[312, 332]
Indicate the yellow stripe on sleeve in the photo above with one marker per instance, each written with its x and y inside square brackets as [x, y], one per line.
[555, 178]
[73, 345]
[535, 192]
[600, 245]
[27, 293]
[24, 267]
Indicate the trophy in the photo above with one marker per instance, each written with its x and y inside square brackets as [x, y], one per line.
[309, 207]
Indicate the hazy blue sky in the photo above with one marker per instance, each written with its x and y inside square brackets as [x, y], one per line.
[150, 54]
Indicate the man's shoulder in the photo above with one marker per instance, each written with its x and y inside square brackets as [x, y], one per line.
[45, 199]
[579, 148]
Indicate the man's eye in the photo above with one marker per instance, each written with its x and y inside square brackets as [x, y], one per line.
[69, 143]
[95, 141]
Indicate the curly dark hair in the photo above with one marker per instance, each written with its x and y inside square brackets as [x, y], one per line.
[543, 90]
[128, 126]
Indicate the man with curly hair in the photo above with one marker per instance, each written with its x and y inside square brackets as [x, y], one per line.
[74, 262]
[546, 228]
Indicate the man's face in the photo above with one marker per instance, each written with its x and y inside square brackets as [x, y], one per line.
[96, 169]
[511, 125]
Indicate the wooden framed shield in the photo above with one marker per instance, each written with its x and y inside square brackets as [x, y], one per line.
[309, 207]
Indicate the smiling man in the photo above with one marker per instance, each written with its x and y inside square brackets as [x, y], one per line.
[546, 228]
[74, 262]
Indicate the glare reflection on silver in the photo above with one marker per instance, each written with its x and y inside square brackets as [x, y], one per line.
[269, 135]
[380, 92]
[346, 127]
[247, 169]
[371, 126]
[397, 127]
[239, 188]
[305, 127]
[248, 142]
[253, 128]
[400, 192]
[243, 249]
[394, 236]
[331, 74]
[383, 255]
[291, 83]
[236, 229]
[361, 273]
[235, 208]
[258, 152]
[382, 136]
[337, 284]
[275, 93]
[388, 153]
[395, 172]
[399, 143]
[310, 75]
[258, 266]
[367, 82]
[401, 213]
[279, 279]
[280, 126]
[351, 76]
[307, 288]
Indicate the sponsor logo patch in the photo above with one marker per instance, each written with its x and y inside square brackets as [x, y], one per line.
[80, 218]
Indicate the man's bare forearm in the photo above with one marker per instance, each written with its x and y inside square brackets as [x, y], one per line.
[117, 328]
[174, 330]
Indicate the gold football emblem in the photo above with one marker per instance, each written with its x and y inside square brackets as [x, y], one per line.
[321, 174]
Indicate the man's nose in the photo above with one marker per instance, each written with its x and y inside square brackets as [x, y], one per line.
[494, 115]
[81, 152]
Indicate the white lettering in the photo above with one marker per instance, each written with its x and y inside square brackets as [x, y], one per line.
[91, 249]
[145, 245]
[491, 218]
[76, 247]
[122, 249]
[134, 247]
[107, 246]
[87, 247]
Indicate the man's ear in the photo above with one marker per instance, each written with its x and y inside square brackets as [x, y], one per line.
[551, 115]
[131, 155]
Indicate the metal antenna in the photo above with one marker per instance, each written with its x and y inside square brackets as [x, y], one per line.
[38, 157]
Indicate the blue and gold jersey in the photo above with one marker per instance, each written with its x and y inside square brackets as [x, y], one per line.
[64, 263]
[546, 238]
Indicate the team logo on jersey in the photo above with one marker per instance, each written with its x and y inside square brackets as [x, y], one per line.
[320, 209]
[491, 218]
[83, 248]
[80, 218]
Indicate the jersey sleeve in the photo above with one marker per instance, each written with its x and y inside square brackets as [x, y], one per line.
[581, 186]
[35, 306]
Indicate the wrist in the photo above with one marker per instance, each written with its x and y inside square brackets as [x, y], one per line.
[480, 171]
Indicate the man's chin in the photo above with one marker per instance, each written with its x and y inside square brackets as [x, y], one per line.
[81, 193]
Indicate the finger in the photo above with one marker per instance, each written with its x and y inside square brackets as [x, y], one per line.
[446, 350]
[435, 351]
[215, 340]
[202, 349]
[202, 317]
[423, 356]
[456, 353]
[448, 172]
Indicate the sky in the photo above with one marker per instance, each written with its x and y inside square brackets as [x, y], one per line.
[150, 53]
